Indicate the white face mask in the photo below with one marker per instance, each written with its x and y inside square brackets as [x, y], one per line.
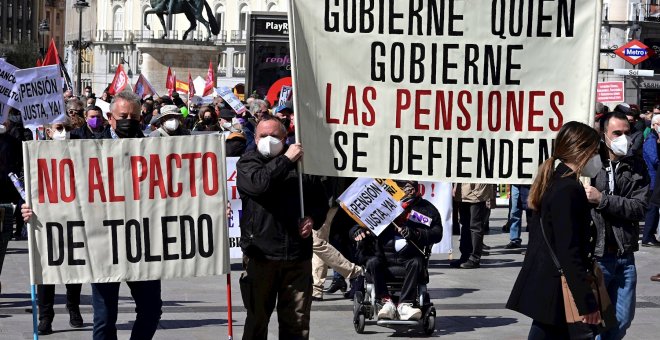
[3, 129]
[226, 125]
[171, 124]
[592, 167]
[657, 129]
[60, 135]
[619, 145]
[270, 146]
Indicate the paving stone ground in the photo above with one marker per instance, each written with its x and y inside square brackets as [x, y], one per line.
[470, 303]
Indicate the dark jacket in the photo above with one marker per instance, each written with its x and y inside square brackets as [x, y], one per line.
[271, 207]
[420, 234]
[650, 152]
[11, 160]
[617, 215]
[565, 216]
[84, 132]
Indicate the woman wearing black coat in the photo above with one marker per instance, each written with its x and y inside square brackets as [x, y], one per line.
[561, 200]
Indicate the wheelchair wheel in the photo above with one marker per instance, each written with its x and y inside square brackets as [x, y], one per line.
[429, 322]
[357, 302]
[358, 323]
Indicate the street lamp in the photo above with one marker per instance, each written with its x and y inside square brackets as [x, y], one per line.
[80, 6]
[44, 28]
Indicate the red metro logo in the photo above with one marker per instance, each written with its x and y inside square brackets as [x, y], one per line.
[633, 52]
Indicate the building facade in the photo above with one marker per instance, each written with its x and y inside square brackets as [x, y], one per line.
[19, 22]
[622, 22]
[114, 32]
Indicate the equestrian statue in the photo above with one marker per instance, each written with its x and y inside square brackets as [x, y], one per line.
[191, 8]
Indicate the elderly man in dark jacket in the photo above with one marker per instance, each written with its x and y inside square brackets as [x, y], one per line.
[400, 244]
[619, 194]
[276, 242]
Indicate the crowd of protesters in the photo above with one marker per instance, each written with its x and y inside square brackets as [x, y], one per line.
[621, 193]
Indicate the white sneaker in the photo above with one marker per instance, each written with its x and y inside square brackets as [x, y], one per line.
[388, 312]
[407, 312]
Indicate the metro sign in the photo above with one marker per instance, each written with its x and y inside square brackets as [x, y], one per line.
[634, 52]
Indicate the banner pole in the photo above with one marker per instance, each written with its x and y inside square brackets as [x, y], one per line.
[230, 321]
[30, 232]
[296, 121]
[35, 327]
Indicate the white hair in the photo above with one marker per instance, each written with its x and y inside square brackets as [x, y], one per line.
[655, 119]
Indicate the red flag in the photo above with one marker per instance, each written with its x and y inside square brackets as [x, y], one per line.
[209, 86]
[143, 87]
[191, 86]
[170, 83]
[119, 82]
[52, 57]
[39, 62]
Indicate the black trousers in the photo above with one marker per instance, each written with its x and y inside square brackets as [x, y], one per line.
[579, 331]
[287, 283]
[46, 299]
[377, 267]
[473, 217]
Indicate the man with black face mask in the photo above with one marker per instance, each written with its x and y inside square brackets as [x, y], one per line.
[124, 119]
[124, 122]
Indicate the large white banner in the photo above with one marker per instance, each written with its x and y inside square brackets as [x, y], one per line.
[7, 81]
[40, 95]
[440, 90]
[127, 210]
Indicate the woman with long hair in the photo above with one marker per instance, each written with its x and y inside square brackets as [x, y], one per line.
[559, 198]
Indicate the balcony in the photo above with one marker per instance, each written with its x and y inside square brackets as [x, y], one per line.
[113, 36]
[238, 37]
[222, 71]
[238, 72]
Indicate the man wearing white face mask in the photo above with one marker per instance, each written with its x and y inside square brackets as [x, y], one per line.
[276, 242]
[170, 123]
[619, 194]
[60, 130]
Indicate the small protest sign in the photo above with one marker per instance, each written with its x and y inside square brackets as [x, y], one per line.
[372, 203]
[7, 81]
[127, 209]
[39, 95]
[230, 98]
[236, 205]
[286, 94]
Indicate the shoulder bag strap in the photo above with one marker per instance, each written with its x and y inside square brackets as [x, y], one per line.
[552, 253]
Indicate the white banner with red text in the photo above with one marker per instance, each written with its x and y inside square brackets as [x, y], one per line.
[127, 209]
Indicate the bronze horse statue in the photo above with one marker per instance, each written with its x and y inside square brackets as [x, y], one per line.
[191, 8]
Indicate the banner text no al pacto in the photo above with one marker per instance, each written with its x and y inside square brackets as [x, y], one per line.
[448, 90]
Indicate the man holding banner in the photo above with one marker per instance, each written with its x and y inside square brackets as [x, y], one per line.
[276, 243]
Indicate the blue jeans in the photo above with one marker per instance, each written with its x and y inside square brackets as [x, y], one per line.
[620, 276]
[146, 295]
[519, 195]
[651, 223]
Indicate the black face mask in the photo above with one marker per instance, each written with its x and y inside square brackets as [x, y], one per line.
[208, 121]
[127, 128]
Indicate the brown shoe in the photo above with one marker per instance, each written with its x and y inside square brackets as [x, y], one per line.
[655, 278]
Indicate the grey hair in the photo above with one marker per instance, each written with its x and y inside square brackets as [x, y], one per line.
[73, 101]
[256, 105]
[128, 96]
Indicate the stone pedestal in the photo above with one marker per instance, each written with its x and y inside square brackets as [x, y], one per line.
[182, 56]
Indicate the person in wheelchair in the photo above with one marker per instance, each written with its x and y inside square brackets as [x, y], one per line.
[400, 244]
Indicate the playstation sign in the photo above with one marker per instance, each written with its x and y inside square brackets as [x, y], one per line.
[634, 52]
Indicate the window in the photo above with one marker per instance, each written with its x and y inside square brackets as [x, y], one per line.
[57, 19]
[243, 17]
[220, 17]
[239, 64]
[118, 20]
[114, 60]
[222, 65]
